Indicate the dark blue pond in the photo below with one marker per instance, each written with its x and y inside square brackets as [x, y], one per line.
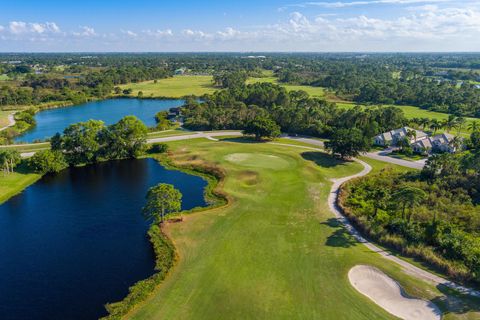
[76, 240]
[110, 111]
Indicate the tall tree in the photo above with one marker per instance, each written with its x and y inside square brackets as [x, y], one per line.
[125, 139]
[9, 159]
[348, 143]
[80, 142]
[162, 200]
[262, 128]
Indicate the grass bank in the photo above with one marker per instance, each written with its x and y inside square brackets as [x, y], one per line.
[13, 183]
[165, 252]
[275, 252]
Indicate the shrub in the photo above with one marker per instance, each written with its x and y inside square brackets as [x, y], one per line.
[47, 161]
[158, 148]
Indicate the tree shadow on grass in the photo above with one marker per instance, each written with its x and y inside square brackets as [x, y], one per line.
[24, 168]
[340, 237]
[246, 139]
[322, 159]
[455, 303]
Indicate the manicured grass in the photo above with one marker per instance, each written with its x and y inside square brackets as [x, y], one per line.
[377, 166]
[28, 147]
[167, 133]
[275, 252]
[13, 183]
[175, 87]
[413, 157]
[312, 91]
[180, 86]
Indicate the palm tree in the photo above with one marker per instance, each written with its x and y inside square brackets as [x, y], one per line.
[415, 122]
[424, 122]
[474, 126]
[435, 125]
[412, 134]
[460, 123]
[456, 143]
[409, 197]
[450, 122]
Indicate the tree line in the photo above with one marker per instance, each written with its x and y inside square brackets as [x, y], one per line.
[294, 112]
[433, 214]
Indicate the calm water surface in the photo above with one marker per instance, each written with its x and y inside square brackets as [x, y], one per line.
[76, 240]
[110, 111]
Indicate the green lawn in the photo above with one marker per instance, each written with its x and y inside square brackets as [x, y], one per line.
[167, 133]
[413, 157]
[28, 147]
[180, 86]
[275, 252]
[175, 87]
[312, 91]
[13, 183]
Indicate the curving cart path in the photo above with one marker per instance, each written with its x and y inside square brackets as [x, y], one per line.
[407, 267]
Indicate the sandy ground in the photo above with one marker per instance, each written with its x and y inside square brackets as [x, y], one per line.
[11, 121]
[388, 294]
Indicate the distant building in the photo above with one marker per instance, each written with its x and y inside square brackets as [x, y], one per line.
[391, 138]
[443, 143]
[180, 71]
[421, 143]
[423, 146]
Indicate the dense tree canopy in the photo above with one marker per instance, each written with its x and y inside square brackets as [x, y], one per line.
[433, 214]
[86, 142]
[162, 200]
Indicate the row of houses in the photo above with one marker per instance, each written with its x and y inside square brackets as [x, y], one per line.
[420, 141]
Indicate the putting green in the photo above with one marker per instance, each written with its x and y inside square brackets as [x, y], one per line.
[258, 160]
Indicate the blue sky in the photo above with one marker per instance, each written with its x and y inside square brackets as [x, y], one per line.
[262, 25]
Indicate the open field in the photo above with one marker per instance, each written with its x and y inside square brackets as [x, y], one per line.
[175, 87]
[180, 86]
[312, 91]
[275, 252]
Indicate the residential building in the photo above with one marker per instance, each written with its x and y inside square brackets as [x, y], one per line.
[391, 138]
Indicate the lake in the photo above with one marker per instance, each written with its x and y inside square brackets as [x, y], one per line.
[51, 121]
[76, 240]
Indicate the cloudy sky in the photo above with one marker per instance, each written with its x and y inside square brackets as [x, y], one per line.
[248, 25]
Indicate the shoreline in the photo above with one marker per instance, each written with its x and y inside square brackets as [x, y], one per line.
[142, 291]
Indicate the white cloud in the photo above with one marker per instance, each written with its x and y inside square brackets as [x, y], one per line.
[20, 27]
[158, 33]
[17, 27]
[85, 32]
[422, 28]
[129, 33]
[341, 4]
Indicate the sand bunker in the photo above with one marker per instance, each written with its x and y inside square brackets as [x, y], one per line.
[388, 294]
